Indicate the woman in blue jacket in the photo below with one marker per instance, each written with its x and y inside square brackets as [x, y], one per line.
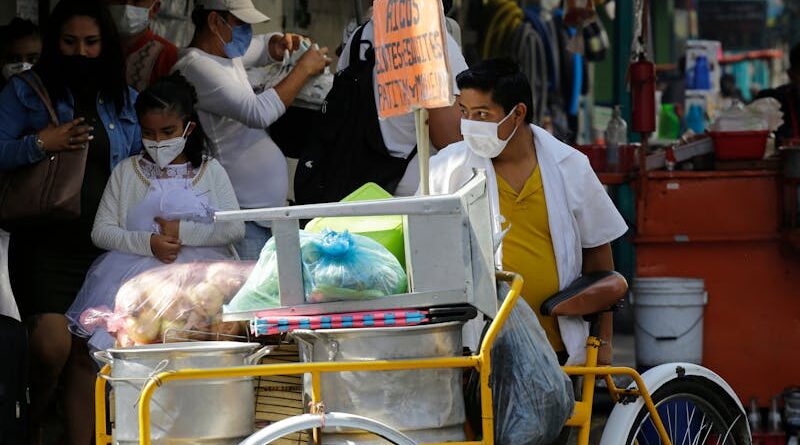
[82, 69]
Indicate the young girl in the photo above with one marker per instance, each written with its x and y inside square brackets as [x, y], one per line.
[158, 206]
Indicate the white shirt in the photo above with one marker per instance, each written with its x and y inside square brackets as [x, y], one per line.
[8, 305]
[125, 189]
[399, 133]
[235, 120]
[580, 213]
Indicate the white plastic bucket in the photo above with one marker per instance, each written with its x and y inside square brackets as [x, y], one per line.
[669, 320]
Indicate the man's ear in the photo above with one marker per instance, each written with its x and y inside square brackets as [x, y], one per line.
[521, 111]
[211, 22]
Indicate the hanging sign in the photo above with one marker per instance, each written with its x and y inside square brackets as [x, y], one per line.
[410, 56]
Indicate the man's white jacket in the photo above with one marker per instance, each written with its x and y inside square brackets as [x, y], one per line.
[580, 213]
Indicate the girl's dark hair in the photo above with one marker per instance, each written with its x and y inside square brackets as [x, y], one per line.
[18, 29]
[174, 93]
[113, 84]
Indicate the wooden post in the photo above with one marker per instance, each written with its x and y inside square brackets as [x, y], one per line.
[423, 149]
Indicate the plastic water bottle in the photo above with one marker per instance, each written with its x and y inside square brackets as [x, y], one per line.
[695, 119]
[774, 417]
[754, 416]
[702, 74]
[616, 136]
[669, 124]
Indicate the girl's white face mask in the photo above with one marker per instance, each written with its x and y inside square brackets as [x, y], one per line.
[482, 138]
[11, 69]
[164, 152]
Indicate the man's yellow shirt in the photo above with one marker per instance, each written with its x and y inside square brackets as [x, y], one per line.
[528, 247]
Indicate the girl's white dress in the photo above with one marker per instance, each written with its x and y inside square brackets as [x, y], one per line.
[172, 195]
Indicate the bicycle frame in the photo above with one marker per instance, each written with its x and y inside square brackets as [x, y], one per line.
[582, 414]
[581, 417]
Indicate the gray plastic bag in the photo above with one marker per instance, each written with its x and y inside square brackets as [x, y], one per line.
[532, 396]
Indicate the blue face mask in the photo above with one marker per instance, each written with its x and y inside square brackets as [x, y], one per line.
[242, 34]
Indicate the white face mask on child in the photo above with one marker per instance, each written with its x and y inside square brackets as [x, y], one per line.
[164, 152]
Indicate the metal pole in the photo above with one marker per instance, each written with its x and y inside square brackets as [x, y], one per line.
[359, 9]
[423, 150]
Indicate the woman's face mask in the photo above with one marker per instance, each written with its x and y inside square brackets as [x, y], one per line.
[482, 137]
[240, 40]
[164, 152]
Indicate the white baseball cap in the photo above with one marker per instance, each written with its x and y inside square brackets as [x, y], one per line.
[241, 9]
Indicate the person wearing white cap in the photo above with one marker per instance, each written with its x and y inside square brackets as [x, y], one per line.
[234, 117]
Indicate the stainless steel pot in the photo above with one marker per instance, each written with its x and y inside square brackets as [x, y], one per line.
[199, 411]
[405, 400]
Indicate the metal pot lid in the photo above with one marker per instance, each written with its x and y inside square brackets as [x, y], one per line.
[201, 347]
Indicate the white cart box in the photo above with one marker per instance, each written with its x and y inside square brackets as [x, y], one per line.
[448, 242]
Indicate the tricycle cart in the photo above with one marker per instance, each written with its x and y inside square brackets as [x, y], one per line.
[450, 260]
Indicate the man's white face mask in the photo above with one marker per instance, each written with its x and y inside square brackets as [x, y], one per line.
[482, 138]
[130, 20]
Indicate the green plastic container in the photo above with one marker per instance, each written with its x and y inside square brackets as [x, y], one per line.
[386, 230]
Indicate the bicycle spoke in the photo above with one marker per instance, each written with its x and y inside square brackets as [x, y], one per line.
[709, 429]
[730, 428]
[675, 409]
[639, 434]
[702, 420]
[687, 434]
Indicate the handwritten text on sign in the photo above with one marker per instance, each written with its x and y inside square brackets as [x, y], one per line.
[410, 56]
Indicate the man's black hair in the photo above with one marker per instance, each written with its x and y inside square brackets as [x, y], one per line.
[503, 79]
[200, 17]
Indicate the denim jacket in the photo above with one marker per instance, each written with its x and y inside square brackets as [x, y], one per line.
[22, 115]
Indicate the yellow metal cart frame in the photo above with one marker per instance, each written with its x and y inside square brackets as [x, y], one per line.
[482, 362]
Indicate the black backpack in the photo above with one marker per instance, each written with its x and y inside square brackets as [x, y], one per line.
[345, 147]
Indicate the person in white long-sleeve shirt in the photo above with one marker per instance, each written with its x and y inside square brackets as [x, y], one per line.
[234, 117]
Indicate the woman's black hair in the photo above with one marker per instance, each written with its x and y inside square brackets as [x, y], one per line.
[175, 93]
[113, 84]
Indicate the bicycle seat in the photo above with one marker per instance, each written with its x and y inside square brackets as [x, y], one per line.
[590, 294]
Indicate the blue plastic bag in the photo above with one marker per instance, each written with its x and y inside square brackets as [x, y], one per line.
[336, 266]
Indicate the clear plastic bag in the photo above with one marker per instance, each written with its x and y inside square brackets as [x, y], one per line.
[759, 115]
[185, 299]
[532, 396]
[336, 266]
[313, 93]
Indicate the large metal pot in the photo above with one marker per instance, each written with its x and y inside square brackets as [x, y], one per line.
[197, 411]
[430, 402]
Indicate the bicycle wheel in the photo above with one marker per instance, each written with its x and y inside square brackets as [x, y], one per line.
[694, 411]
[305, 422]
